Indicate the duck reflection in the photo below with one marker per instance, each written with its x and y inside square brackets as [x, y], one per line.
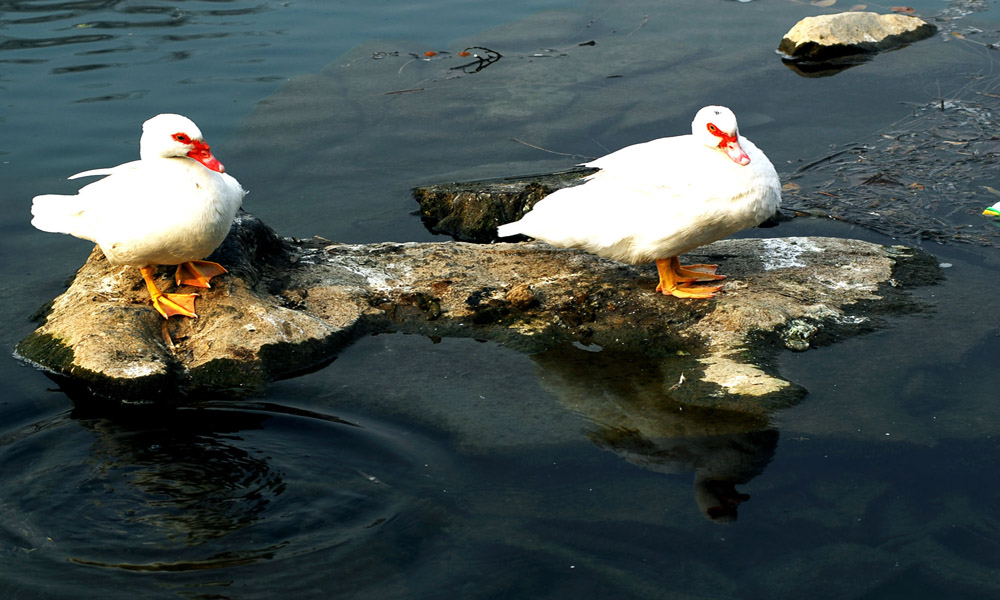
[628, 398]
[194, 481]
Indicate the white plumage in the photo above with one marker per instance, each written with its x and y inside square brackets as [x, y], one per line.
[174, 206]
[656, 200]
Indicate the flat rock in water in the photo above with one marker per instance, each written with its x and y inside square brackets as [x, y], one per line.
[827, 38]
[288, 306]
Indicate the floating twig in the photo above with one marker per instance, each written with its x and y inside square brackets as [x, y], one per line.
[487, 58]
[550, 151]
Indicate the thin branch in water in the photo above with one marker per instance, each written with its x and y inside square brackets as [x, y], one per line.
[645, 19]
[549, 151]
[481, 61]
[602, 146]
[824, 159]
[400, 71]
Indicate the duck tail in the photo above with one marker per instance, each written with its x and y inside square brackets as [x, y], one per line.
[509, 229]
[55, 213]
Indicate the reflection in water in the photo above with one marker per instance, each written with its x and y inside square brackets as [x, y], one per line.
[198, 483]
[215, 486]
[627, 397]
[825, 69]
[26, 44]
[719, 462]
[108, 26]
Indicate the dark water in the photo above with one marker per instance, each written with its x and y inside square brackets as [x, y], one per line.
[418, 468]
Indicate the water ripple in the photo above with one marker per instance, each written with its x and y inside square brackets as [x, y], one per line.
[217, 486]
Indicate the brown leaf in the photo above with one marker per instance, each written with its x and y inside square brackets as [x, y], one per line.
[791, 187]
[902, 9]
[858, 7]
[823, 3]
[916, 186]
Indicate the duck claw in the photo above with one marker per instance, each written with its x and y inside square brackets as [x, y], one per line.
[689, 291]
[169, 305]
[198, 273]
[698, 272]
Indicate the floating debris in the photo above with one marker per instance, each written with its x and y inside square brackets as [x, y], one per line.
[925, 177]
[482, 60]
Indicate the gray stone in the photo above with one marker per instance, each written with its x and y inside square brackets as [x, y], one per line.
[471, 211]
[832, 37]
[288, 306]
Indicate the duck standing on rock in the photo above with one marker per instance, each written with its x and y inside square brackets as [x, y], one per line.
[656, 200]
[174, 206]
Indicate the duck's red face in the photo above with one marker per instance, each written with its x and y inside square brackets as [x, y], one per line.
[200, 151]
[729, 144]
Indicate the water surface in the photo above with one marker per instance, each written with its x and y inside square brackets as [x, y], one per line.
[420, 468]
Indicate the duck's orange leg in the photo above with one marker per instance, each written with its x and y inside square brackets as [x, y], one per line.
[698, 272]
[673, 284]
[198, 272]
[168, 305]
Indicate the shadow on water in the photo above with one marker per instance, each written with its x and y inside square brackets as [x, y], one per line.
[209, 487]
[627, 399]
[489, 400]
[218, 487]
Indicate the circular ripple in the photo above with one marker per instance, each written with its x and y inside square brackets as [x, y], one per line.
[200, 496]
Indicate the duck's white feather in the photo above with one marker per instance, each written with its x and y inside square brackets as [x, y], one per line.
[158, 210]
[656, 200]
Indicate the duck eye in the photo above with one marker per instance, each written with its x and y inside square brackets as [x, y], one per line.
[180, 137]
[713, 128]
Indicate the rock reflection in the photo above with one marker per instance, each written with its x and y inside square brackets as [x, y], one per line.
[628, 399]
[811, 69]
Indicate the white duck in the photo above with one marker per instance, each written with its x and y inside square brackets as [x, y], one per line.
[174, 206]
[653, 201]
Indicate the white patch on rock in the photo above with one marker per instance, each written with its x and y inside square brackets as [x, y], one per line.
[139, 369]
[108, 285]
[377, 278]
[785, 253]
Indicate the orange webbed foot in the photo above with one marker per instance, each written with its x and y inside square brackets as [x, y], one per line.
[198, 273]
[168, 305]
[690, 291]
[675, 280]
[698, 272]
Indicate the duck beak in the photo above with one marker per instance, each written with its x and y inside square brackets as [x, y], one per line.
[992, 212]
[731, 146]
[203, 154]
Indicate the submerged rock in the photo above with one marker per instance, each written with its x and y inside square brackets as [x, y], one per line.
[825, 44]
[289, 305]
